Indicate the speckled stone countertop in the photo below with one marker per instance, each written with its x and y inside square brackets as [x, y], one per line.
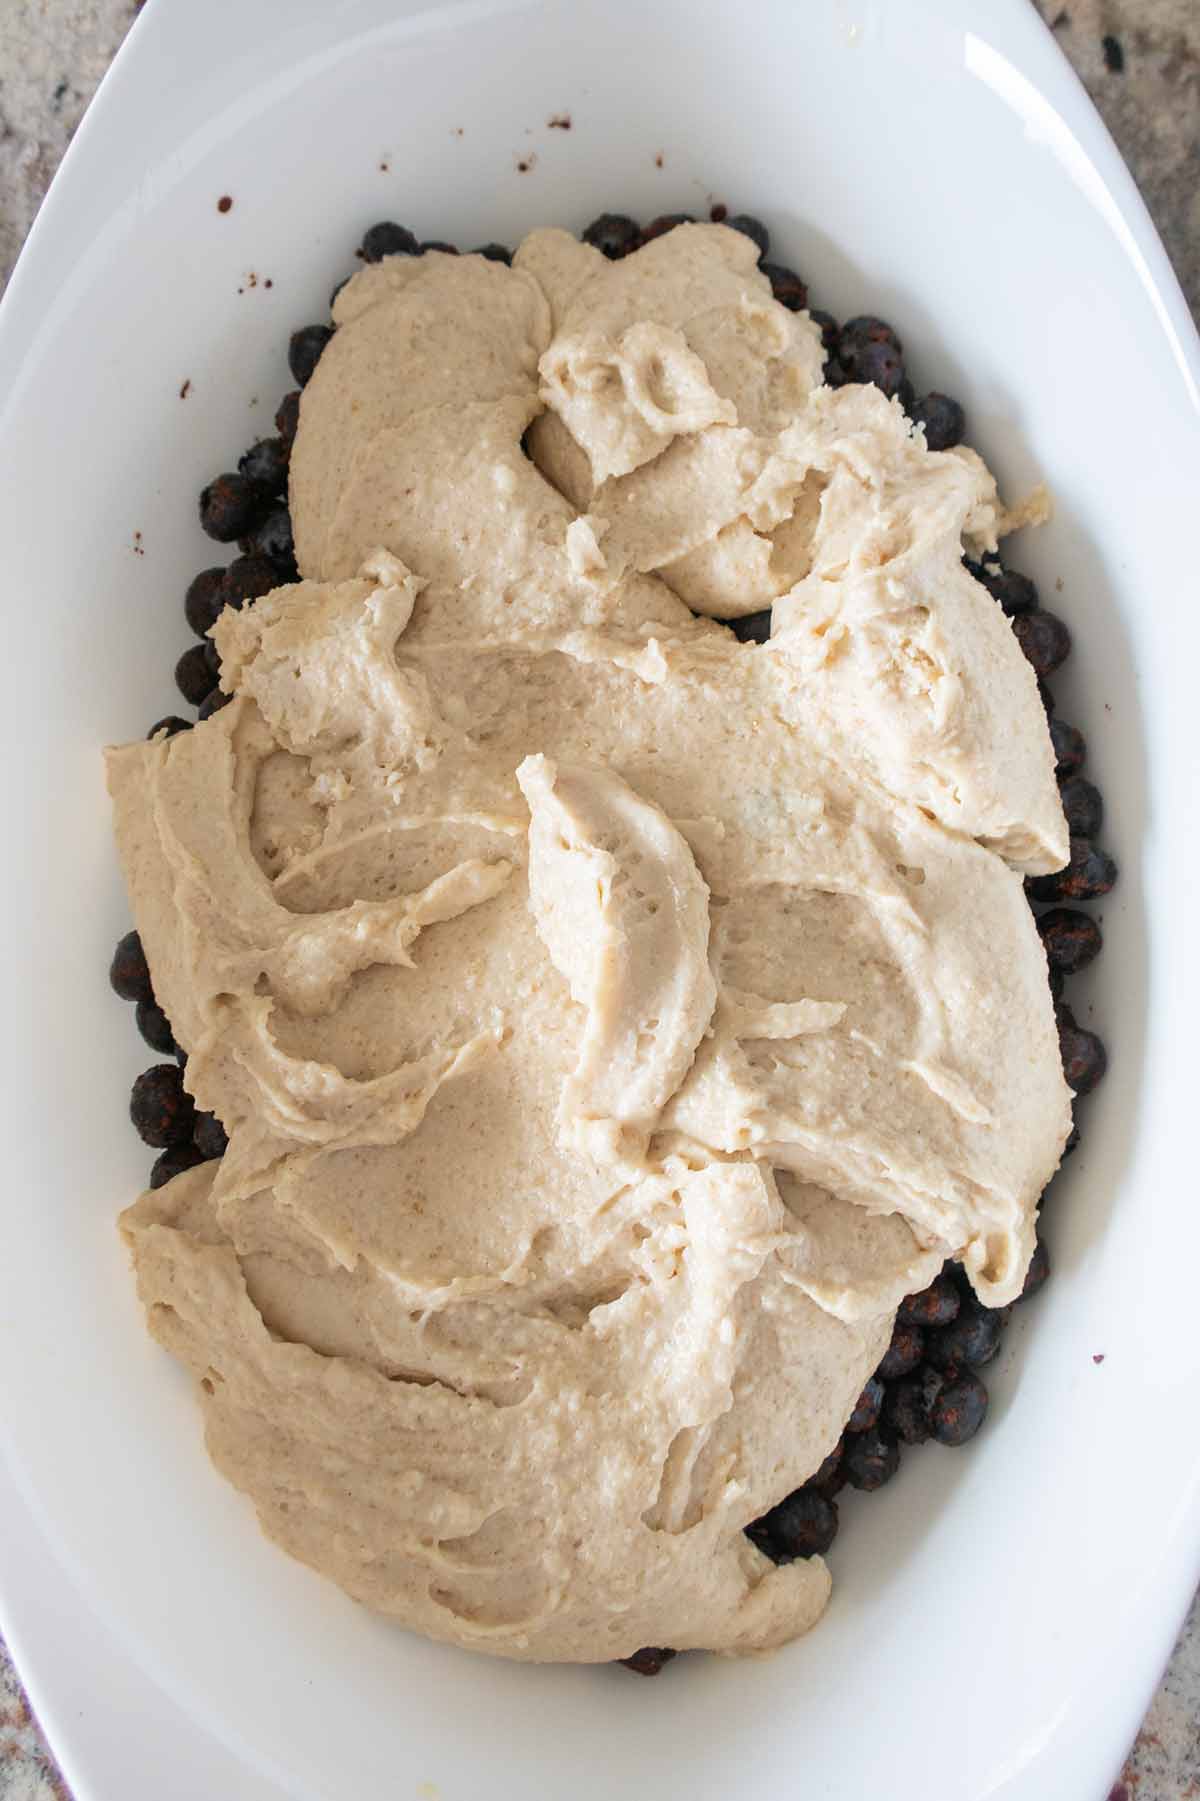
[1140, 60]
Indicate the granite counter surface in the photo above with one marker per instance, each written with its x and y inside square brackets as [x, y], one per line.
[1140, 60]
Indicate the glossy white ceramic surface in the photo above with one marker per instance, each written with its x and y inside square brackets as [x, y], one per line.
[1000, 1613]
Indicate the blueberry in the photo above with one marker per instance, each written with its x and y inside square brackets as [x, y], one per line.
[649, 1660]
[871, 1459]
[1084, 1058]
[287, 420]
[169, 726]
[865, 1414]
[155, 1028]
[209, 1136]
[249, 578]
[212, 703]
[160, 1107]
[787, 287]
[904, 1353]
[862, 330]
[616, 234]
[387, 239]
[752, 228]
[172, 1162]
[1072, 940]
[228, 506]
[936, 1305]
[666, 222]
[304, 351]
[1015, 592]
[272, 538]
[1038, 1271]
[875, 362]
[943, 418]
[495, 253]
[129, 972]
[802, 1525]
[1089, 873]
[1070, 748]
[437, 244]
[753, 628]
[828, 1479]
[266, 463]
[828, 325]
[967, 1342]
[959, 1411]
[906, 1408]
[193, 675]
[1083, 805]
[1044, 639]
[202, 602]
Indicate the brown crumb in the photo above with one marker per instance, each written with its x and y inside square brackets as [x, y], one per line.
[224, 203]
[384, 168]
[559, 122]
[718, 212]
[457, 131]
[527, 162]
[659, 159]
[1098, 1357]
[268, 283]
[186, 389]
[139, 549]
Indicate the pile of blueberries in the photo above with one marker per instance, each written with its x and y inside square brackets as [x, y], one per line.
[927, 1385]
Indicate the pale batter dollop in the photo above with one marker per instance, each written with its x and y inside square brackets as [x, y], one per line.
[612, 1021]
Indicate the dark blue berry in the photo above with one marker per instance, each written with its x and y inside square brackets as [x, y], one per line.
[867, 1408]
[944, 421]
[213, 704]
[495, 253]
[248, 578]
[666, 222]
[871, 1459]
[1071, 939]
[968, 1342]
[287, 420]
[388, 239]
[202, 603]
[649, 1660]
[804, 1524]
[786, 286]
[753, 628]
[437, 244]
[1014, 591]
[169, 726]
[129, 972]
[1070, 748]
[272, 538]
[752, 228]
[229, 506]
[1083, 805]
[936, 1305]
[155, 1028]
[209, 1136]
[304, 351]
[1089, 873]
[160, 1107]
[172, 1162]
[828, 325]
[267, 464]
[904, 1353]
[194, 676]
[959, 1410]
[1084, 1058]
[1044, 639]
[616, 234]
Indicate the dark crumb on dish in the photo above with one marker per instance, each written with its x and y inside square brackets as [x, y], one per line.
[527, 162]
[1114, 54]
[559, 122]
[1097, 1356]
[659, 159]
[139, 549]
[224, 203]
[185, 388]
